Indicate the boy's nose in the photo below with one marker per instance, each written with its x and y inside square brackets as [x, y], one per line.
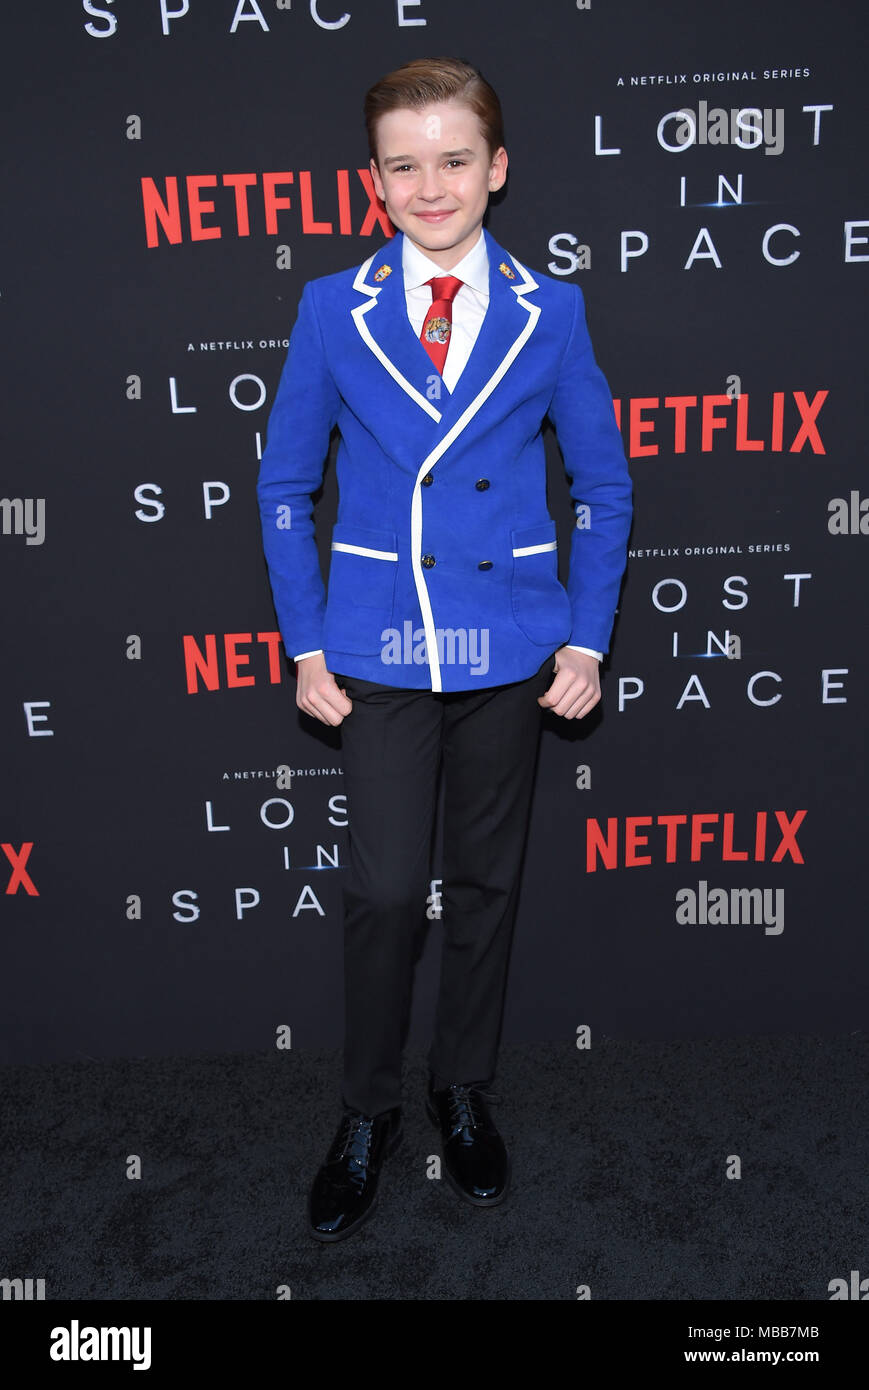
[431, 184]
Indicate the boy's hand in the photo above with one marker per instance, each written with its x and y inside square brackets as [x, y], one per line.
[317, 691]
[576, 687]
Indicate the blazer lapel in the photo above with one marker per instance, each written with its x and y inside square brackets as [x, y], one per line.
[382, 322]
[506, 329]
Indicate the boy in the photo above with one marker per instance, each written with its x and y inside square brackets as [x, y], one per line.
[445, 631]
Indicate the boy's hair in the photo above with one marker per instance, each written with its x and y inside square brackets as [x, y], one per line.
[423, 81]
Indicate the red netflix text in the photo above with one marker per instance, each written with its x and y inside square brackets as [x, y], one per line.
[789, 422]
[228, 664]
[642, 840]
[20, 878]
[207, 216]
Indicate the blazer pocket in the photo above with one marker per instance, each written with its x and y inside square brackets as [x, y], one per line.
[541, 607]
[361, 589]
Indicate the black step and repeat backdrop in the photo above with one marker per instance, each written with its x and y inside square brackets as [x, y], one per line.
[173, 830]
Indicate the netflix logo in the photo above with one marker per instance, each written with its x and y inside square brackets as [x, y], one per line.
[789, 422]
[770, 836]
[242, 658]
[19, 877]
[185, 207]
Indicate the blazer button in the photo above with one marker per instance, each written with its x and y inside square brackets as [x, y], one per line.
[428, 480]
[484, 565]
[481, 484]
[428, 561]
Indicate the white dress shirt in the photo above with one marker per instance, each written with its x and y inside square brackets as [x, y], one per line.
[469, 310]
[469, 305]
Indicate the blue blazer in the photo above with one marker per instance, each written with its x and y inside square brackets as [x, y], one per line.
[443, 560]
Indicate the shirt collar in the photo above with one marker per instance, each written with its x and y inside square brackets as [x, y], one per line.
[472, 269]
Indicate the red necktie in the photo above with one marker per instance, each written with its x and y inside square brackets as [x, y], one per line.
[435, 335]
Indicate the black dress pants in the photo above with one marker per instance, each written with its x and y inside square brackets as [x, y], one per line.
[394, 742]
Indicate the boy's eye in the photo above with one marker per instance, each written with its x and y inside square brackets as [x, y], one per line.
[400, 168]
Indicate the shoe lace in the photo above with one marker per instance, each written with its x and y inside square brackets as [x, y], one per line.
[355, 1135]
[465, 1105]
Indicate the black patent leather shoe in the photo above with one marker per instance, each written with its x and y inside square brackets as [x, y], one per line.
[476, 1161]
[344, 1192]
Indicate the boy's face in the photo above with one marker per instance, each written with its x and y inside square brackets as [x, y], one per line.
[435, 175]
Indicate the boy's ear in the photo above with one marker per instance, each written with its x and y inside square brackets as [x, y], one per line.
[378, 182]
[498, 170]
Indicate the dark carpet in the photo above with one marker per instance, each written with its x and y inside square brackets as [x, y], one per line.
[620, 1158]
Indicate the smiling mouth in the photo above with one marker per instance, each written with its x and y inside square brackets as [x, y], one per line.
[435, 216]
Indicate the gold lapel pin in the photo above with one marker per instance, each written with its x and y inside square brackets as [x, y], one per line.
[382, 273]
[505, 270]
